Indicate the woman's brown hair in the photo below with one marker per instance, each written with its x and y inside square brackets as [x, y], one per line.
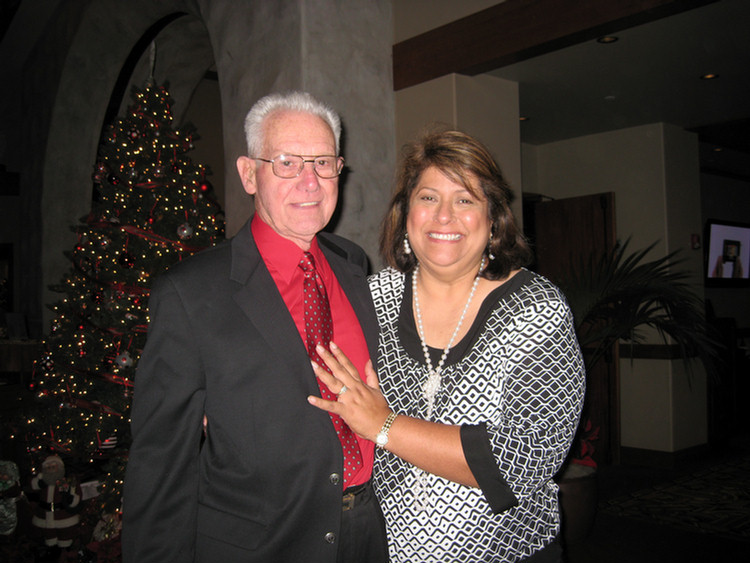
[461, 158]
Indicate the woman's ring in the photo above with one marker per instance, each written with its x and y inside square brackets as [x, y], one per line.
[343, 390]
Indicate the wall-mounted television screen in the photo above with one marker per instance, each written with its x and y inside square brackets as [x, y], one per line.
[727, 253]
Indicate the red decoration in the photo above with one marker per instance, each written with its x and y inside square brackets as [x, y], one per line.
[126, 260]
[585, 446]
[185, 231]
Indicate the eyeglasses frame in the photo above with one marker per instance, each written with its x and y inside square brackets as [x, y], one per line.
[339, 159]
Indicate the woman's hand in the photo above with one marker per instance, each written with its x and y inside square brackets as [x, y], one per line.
[362, 406]
[434, 447]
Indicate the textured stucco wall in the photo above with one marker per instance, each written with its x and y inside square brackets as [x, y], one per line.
[67, 68]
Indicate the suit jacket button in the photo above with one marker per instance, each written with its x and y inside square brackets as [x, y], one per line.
[334, 478]
[330, 537]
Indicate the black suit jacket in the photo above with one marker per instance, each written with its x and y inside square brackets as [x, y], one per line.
[266, 483]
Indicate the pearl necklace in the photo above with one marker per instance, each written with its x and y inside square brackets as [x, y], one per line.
[421, 489]
[432, 385]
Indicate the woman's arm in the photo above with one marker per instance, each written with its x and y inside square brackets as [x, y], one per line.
[541, 401]
[431, 446]
[542, 394]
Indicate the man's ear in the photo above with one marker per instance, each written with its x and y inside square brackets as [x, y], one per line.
[246, 167]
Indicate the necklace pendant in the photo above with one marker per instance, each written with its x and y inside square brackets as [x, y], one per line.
[432, 385]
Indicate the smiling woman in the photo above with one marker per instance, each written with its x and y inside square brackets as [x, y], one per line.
[448, 223]
[479, 381]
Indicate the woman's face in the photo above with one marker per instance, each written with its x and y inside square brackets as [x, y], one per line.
[448, 227]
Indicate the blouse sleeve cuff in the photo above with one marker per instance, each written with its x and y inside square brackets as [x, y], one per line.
[476, 447]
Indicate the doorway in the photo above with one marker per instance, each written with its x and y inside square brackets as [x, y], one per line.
[565, 233]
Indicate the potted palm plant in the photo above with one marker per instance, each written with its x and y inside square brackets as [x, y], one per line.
[613, 299]
[616, 296]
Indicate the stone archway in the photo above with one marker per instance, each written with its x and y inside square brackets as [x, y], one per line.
[120, 39]
[68, 63]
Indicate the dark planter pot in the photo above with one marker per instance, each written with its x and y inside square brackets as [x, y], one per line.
[578, 499]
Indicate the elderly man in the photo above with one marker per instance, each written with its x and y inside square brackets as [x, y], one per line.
[233, 331]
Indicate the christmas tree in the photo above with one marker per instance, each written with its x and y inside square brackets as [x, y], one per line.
[152, 207]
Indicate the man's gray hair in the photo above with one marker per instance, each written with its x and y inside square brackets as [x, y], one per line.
[290, 101]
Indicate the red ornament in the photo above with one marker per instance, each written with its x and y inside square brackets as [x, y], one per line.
[100, 171]
[185, 231]
[124, 359]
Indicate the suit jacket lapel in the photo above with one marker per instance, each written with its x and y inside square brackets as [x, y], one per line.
[354, 283]
[260, 300]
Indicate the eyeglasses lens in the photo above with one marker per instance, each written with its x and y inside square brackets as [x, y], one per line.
[290, 166]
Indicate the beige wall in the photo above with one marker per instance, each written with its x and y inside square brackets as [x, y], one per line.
[483, 106]
[653, 170]
[683, 196]
[629, 162]
[646, 413]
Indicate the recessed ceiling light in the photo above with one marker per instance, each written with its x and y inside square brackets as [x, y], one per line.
[709, 76]
[523, 118]
[607, 39]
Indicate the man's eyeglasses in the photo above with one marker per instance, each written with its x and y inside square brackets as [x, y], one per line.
[291, 165]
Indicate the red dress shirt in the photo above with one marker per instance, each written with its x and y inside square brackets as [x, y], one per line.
[282, 258]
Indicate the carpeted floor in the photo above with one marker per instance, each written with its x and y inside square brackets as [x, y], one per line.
[714, 501]
[696, 512]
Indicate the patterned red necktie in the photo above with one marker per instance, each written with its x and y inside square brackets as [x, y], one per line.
[319, 328]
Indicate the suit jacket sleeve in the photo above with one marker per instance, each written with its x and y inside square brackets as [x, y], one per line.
[160, 498]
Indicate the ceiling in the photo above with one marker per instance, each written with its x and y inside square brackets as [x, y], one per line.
[650, 74]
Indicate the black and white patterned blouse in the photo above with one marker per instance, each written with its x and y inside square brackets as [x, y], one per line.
[515, 384]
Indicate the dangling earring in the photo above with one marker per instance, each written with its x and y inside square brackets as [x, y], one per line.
[407, 248]
[489, 249]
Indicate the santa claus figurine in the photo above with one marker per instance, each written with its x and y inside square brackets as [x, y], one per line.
[56, 512]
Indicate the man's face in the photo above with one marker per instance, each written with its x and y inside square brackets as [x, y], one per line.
[296, 208]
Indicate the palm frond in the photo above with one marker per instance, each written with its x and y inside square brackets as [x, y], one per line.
[620, 294]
